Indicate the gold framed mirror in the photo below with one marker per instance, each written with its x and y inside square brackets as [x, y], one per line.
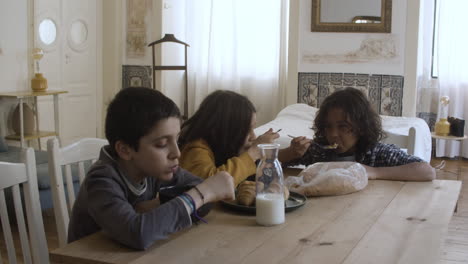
[352, 16]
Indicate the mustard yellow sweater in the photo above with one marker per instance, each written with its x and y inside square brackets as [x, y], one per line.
[198, 158]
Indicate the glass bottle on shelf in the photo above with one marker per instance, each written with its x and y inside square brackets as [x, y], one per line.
[269, 187]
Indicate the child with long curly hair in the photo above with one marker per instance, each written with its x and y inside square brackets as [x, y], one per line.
[347, 120]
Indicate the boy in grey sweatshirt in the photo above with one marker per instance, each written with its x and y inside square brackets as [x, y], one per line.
[136, 193]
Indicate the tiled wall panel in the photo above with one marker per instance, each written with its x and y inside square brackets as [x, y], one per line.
[136, 76]
[385, 92]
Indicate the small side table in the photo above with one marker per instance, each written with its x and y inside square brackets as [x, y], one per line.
[22, 137]
[433, 135]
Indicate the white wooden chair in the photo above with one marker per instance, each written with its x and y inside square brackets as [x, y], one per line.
[84, 150]
[407, 142]
[12, 175]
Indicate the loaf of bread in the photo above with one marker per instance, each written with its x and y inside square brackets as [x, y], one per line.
[246, 192]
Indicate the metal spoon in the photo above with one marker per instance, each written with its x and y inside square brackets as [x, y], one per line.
[333, 146]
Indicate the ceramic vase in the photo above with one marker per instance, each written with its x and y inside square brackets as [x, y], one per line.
[442, 127]
[39, 83]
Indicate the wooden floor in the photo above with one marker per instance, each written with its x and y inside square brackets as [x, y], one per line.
[455, 249]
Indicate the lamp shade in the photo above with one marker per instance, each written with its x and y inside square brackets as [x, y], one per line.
[37, 53]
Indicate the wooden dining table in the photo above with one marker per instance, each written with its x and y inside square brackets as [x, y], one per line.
[387, 222]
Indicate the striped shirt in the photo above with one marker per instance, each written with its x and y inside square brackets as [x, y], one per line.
[382, 155]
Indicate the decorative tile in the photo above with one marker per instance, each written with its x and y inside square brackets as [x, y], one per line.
[323, 92]
[348, 79]
[430, 118]
[375, 81]
[362, 80]
[336, 79]
[392, 81]
[374, 98]
[136, 75]
[391, 100]
[385, 92]
[308, 89]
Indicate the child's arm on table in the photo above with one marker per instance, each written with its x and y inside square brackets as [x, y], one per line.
[181, 182]
[116, 217]
[186, 183]
[145, 206]
[416, 171]
[200, 161]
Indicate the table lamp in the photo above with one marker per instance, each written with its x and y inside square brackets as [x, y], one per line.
[442, 127]
[38, 82]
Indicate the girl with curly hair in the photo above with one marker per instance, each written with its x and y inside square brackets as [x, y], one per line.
[347, 120]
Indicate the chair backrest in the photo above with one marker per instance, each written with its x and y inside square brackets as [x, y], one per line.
[407, 142]
[84, 150]
[12, 175]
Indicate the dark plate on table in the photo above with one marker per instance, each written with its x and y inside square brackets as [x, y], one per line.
[294, 201]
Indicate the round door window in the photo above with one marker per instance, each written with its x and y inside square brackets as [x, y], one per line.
[78, 32]
[47, 31]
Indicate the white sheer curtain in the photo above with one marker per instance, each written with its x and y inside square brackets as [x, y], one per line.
[428, 89]
[453, 69]
[238, 45]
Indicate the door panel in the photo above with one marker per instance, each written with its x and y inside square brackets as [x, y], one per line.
[71, 64]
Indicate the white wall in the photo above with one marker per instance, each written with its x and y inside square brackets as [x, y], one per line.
[15, 52]
[112, 42]
[173, 22]
[14, 43]
[165, 17]
[303, 42]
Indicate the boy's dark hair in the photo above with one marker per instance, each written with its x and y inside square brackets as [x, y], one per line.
[366, 123]
[134, 111]
[223, 121]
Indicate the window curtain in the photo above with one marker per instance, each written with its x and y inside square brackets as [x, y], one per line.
[453, 73]
[238, 45]
[428, 87]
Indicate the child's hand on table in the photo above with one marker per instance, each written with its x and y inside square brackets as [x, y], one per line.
[217, 187]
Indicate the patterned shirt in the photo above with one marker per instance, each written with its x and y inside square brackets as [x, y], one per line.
[382, 155]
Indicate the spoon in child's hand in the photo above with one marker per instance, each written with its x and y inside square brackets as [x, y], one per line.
[333, 146]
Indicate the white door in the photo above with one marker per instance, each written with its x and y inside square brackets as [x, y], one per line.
[70, 63]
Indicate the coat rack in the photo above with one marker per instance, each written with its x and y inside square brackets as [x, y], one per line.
[171, 38]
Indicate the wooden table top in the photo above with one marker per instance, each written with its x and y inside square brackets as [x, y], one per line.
[388, 222]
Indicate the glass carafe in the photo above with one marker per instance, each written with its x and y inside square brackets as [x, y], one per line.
[270, 190]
